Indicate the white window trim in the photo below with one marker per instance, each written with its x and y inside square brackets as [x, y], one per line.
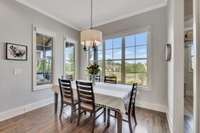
[37, 29]
[149, 51]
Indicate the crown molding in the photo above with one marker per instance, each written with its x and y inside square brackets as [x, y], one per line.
[132, 14]
[23, 2]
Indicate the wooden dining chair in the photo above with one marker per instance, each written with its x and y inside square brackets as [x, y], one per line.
[97, 78]
[110, 79]
[86, 102]
[130, 108]
[67, 97]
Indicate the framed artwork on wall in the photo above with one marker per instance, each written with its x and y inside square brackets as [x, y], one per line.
[16, 52]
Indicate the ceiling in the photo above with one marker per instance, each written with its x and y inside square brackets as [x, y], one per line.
[76, 13]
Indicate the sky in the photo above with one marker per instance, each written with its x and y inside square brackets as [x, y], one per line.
[136, 47]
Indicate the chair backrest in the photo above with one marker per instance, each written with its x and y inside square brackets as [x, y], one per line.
[132, 97]
[97, 78]
[110, 79]
[66, 91]
[85, 92]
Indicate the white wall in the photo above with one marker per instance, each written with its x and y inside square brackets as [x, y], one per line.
[156, 97]
[176, 65]
[16, 26]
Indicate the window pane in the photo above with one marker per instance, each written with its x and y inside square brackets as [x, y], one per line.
[113, 68]
[141, 51]
[117, 54]
[117, 43]
[69, 67]
[44, 59]
[141, 66]
[108, 54]
[130, 41]
[130, 52]
[141, 79]
[100, 55]
[108, 44]
[130, 66]
[136, 71]
[69, 53]
[141, 38]
[100, 47]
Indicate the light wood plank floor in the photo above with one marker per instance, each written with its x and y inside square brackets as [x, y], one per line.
[43, 120]
[188, 115]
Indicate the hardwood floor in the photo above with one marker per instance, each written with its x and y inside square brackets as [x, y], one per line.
[188, 115]
[43, 120]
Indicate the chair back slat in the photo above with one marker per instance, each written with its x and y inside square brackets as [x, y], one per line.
[66, 90]
[132, 96]
[85, 94]
[110, 79]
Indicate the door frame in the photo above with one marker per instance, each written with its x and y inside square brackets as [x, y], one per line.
[196, 94]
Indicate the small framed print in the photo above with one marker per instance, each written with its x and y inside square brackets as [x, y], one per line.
[16, 52]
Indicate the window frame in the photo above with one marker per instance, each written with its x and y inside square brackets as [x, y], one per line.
[37, 29]
[74, 60]
[69, 39]
[148, 59]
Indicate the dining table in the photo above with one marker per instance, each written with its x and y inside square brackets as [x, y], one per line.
[112, 96]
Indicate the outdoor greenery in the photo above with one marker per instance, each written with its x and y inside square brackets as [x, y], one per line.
[134, 72]
[70, 65]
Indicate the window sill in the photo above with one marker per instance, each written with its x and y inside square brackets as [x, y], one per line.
[42, 87]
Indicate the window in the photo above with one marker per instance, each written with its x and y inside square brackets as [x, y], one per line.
[113, 57]
[69, 66]
[99, 57]
[44, 65]
[125, 57]
[136, 59]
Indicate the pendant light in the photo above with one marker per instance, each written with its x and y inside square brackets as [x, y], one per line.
[91, 38]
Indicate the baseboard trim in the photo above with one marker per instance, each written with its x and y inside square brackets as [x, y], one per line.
[29, 107]
[170, 124]
[23, 109]
[151, 106]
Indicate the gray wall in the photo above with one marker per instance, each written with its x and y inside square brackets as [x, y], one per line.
[156, 19]
[16, 26]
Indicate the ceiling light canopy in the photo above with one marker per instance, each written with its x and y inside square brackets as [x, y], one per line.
[91, 37]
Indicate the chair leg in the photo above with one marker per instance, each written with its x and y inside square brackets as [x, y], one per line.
[129, 123]
[108, 118]
[72, 113]
[93, 121]
[79, 115]
[133, 114]
[104, 117]
[61, 110]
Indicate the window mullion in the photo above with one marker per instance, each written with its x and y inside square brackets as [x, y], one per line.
[123, 62]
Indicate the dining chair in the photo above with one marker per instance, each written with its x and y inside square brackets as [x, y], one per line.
[67, 97]
[110, 79]
[86, 102]
[69, 77]
[97, 78]
[130, 108]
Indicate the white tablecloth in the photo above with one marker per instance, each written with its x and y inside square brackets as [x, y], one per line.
[111, 95]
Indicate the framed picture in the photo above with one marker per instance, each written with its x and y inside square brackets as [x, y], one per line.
[16, 52]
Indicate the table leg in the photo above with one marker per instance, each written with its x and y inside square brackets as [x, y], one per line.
[55, 102]
[108, 116]
[119, 121]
